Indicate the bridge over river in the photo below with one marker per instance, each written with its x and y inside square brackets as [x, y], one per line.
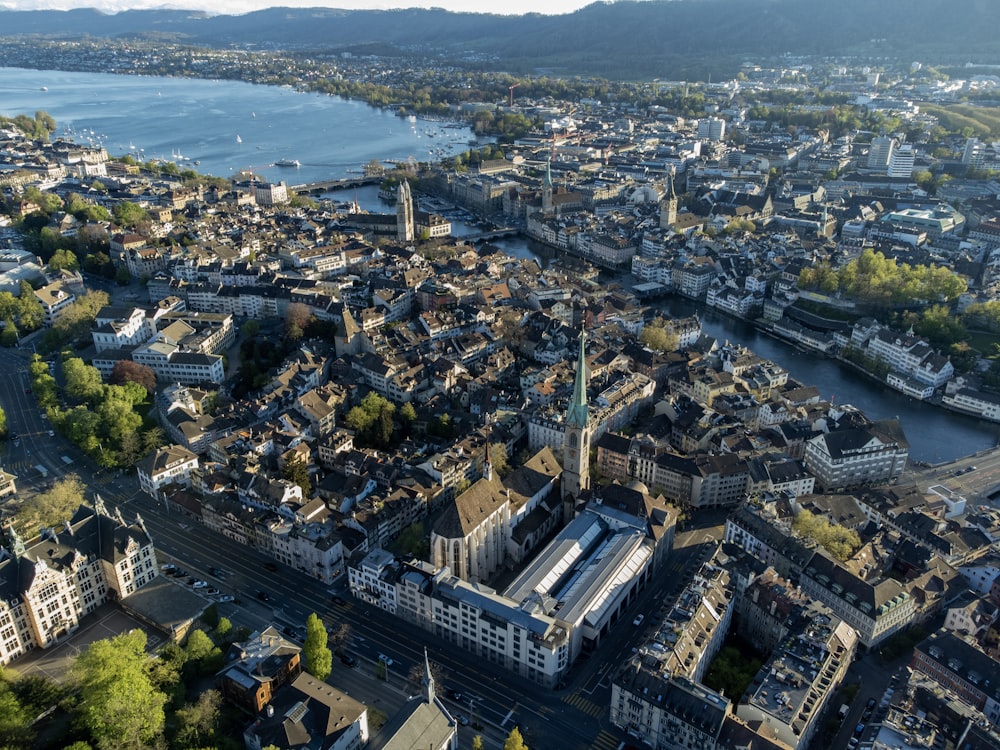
[326, 186]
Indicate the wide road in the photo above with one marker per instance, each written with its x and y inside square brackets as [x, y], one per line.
[493, 698]
[976, 477]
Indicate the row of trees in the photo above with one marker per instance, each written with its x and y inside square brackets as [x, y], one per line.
[38, 128]
[104, 420]
[876, 280]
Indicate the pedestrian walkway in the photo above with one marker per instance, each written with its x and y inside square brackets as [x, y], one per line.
[587, 706]
[605, 741]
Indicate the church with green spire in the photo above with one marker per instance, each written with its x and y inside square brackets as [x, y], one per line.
[576, 446]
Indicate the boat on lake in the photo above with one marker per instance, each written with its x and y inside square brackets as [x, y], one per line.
[287, 163]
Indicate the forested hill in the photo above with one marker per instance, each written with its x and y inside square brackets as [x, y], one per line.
[677, 39]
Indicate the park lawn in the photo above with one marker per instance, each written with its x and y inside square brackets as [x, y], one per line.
[983, 341]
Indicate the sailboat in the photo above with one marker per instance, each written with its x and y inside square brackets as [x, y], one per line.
[238, 139]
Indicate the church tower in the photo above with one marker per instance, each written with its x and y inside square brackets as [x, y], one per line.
[404, 213]
[576, 446]
[668, 206]
[429, 693]
[547, 188]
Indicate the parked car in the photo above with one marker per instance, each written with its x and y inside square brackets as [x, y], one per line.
[452, 694]
[462, 719]
[200, 585]
[167, 567]
[870, 704]
[271, 567]
[226, 598]
[338, 600]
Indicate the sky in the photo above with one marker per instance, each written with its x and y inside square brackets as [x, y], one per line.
[227, 7]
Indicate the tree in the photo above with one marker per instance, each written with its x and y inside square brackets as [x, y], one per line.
[64, 259]
[51, 507]
[250, 329]
[317, 655]
[119, 705]
[224, 628]
[127, 371]
[656, 336]
[498, 457]
[514, 741]
[82, 382]
[477, 742]
[196, 721]
[15, 723]
[298, 473]
[3, 423]
[199, 645]
[129, 214]
[297, 319]
[413, 541]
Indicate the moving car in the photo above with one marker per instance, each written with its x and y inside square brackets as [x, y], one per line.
[638, 620]
[385, 660]
[347, 660]
[263, 596]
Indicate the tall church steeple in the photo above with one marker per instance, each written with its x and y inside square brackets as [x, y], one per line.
[576, 448]
[404, 213]
[428, 679]
[668, 206]
[547, 188]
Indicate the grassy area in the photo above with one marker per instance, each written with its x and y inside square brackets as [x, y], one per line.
[983, 341]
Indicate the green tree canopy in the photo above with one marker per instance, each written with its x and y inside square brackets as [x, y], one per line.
[52, 507]
[129, 214]
[297, 472]
[318, 659]
[658, 336]
[15, 723]
[119, 704]
[372, 419]
[839, 541]
[82, 381]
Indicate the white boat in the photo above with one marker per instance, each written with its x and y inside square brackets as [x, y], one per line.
[287, 163]
[238, 139]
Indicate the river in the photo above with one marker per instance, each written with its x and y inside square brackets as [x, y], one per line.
[184, 120]
[935, 434]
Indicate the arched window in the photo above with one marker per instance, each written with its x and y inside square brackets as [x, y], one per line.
[573, 440]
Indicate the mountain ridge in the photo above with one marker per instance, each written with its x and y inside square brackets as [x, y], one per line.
[614, 40]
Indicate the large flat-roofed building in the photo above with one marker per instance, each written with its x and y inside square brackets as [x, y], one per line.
[518, 636]
[792, 689]
[596, 566]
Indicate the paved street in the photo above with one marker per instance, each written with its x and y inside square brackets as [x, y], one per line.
[976, 477]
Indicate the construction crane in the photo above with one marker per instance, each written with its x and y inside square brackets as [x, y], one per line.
[510, 94]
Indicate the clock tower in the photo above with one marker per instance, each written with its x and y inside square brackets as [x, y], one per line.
[576, 446]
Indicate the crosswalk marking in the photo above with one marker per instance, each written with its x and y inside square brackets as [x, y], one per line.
[587, 706]
[605, 741]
